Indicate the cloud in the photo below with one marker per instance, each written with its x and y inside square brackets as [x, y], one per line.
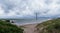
[22, 8]
[1, 10]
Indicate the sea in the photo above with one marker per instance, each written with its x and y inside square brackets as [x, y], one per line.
[29, 21]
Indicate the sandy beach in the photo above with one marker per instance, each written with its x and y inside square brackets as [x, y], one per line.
[30, 28]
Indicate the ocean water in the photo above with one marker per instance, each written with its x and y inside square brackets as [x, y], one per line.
[28, 21]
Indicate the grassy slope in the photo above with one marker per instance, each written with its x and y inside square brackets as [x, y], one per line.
[51, 26]
[6, 27]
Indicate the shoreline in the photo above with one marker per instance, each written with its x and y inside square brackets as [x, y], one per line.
[30, 27]
[37, 22]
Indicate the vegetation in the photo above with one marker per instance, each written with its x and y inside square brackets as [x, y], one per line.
[51, 26]
[7, 27]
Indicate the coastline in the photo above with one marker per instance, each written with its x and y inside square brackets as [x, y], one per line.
[30, 27]
[36, 22]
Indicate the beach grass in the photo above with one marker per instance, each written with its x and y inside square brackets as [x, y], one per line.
[7, 27]
[50, 26]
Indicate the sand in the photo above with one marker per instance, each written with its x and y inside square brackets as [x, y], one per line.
[30, 28]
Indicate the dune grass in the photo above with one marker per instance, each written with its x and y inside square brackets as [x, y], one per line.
[7, 27]
[50, 26]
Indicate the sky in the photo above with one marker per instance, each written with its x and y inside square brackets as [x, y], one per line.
[28, 8]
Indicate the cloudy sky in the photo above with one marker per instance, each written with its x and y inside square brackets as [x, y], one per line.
[24, 8]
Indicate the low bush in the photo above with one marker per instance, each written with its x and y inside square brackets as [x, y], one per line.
[6, 27]
[50, 26]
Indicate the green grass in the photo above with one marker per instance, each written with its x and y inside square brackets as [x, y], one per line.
[7, 27]
[50, 26]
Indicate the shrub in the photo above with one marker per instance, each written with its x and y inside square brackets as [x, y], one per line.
[51, 26]
[6, 27]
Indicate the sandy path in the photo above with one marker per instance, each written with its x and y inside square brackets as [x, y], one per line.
[30, 28]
